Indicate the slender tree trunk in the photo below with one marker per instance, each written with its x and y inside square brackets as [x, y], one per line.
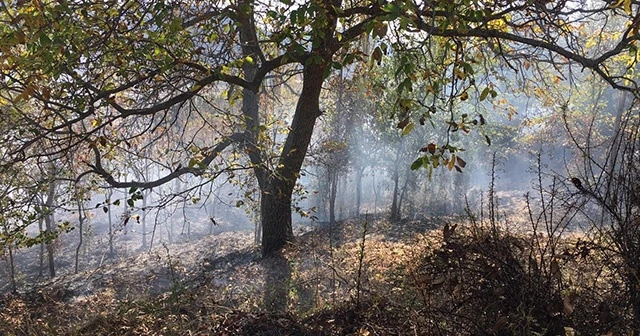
[42, 245]
[49, 221]
[126, 209]
[395, 211]
[12, 270]
[333, 192]
[258, 229]
[403, 191]
[50, 251]
[110, 219]
[358, 181]
[342, 186]
[80, 230]
[144, 220]
[185, 222]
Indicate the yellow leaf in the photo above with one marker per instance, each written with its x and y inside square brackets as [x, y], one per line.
[96, 122]
[626, 4]
[627, 7]
[464, 96]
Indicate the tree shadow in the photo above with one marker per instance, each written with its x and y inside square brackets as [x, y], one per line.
[277, 283]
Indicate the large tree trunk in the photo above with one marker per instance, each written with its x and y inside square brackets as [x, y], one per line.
[276, 197]
[277, 186]
[276, 221]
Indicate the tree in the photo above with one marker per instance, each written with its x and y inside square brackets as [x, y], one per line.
[93, 67]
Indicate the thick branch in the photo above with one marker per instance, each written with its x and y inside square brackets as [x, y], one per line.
[196, 171]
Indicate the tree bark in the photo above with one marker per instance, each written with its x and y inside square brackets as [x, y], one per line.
[333, 192]
[110, 218]
[42, 245]
[81, 218]
[12, 270]
[395, 212]
[277, 186]
[48, 222]
[276, 197]
[276, 221]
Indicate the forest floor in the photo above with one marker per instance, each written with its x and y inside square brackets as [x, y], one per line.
[434, 275]
[219, 285]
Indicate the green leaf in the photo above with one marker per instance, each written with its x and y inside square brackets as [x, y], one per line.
[45, 41]
[408, 129]
[484, 93]
[417, 163]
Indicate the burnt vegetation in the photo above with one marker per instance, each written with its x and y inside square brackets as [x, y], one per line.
[320, 167]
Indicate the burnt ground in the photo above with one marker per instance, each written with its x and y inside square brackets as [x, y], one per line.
[365, 276]
[219, 284]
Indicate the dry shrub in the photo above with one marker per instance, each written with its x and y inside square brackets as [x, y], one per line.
[539, 277]
[494, 282]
